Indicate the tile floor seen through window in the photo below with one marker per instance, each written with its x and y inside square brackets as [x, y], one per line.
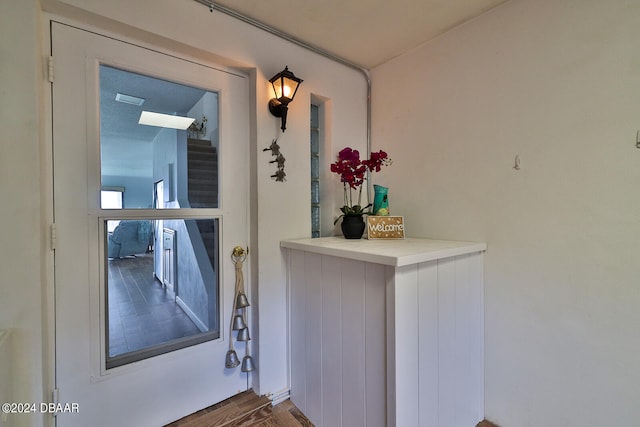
[142, 312]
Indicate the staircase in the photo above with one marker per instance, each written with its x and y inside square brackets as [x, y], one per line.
[207, 228]
[202, 177]
[202, 184]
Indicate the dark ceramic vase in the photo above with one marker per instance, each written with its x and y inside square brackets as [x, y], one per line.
[352, 226]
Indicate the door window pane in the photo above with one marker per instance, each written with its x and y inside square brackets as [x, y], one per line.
[161, 272]
[161, 286]
[135, 155]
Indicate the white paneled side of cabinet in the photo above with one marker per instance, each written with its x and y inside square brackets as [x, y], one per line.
[337, 339]
[387, 334]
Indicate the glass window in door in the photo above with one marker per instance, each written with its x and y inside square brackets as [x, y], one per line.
[158, 146]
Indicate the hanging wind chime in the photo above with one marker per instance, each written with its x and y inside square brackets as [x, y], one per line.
[239, 317]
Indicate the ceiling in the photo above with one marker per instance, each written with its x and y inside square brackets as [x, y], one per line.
[364, 32]
[126, 146]
[159, 96]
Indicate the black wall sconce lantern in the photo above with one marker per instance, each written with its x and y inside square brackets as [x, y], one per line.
[285, 85]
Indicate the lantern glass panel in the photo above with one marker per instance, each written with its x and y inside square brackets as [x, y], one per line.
[277, 88]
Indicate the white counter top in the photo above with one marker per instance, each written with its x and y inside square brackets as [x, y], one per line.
[387, 252]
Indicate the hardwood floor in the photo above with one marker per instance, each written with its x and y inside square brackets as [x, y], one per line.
[246, 410]
[142, 313]
[250, 410]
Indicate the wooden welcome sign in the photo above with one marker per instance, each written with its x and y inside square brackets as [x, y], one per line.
[385, 227]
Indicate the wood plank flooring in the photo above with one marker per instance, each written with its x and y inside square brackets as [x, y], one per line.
[142, 313]
[249, 410]
[246, 410]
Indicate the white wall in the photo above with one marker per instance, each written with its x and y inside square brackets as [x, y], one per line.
[21, 283]
[279, 210]
[557, 83]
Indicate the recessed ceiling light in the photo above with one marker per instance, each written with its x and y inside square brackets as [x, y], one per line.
[128, 99]
[165, 120]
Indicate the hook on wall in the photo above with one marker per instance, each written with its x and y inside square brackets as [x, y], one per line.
[516, 165]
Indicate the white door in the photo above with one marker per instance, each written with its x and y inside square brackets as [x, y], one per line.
[152, 384]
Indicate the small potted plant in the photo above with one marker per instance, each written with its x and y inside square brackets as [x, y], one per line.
[353, 174]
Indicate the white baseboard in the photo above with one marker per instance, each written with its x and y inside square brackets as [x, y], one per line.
[192, 315]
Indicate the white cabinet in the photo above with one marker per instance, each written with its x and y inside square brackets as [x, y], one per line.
[386, 333]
